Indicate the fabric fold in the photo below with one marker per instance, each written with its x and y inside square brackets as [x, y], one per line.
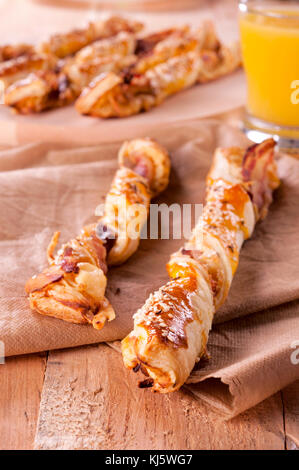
[248, 360]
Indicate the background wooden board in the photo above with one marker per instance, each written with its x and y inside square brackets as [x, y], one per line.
[21, 382]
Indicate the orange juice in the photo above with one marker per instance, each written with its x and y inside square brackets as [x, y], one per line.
[270, 47]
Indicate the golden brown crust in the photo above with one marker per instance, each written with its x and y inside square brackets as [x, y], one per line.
[170, 310]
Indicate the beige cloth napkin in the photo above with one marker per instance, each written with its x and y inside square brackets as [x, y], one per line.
[44, 188]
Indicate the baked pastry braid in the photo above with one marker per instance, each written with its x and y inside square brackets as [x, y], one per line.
[63, 45]
[52, 89]
[73, 287]
[171, 330]
[25, 59]
[112, 95]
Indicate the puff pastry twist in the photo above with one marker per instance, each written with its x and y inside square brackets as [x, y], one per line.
[171, 330]
[54, 73]
[73, 287]
[181, 59]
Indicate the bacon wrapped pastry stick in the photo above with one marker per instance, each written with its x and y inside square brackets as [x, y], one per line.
[171, 329]
[27, 59]
[112, 95]
[52, 89]
[63, 45]
[73, 287]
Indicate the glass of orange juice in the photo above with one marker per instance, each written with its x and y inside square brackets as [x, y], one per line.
[270, 48]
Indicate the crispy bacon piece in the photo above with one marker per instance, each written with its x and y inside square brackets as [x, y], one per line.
[49, 275]
[257, 170]
[146, 45]
[147, 383]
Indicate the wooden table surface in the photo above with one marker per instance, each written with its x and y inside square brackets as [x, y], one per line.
[83, 398]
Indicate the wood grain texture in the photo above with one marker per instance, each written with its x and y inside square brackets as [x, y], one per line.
[90, 401]
[290, 397]
[21, 381]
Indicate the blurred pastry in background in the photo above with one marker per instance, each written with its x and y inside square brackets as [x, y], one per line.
[43, 80]
[110, 70]
[179, 60]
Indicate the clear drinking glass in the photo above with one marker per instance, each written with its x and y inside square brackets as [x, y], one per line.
[270, 47]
